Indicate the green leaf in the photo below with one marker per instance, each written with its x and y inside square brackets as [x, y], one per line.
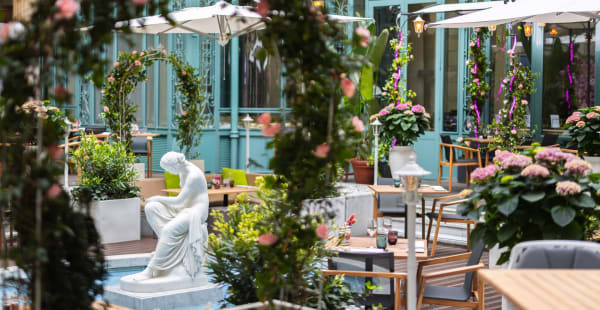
[562, 216]
[506, 232]
[378, 49]
[533, 196]
[509, 205]
[583, 201]
[366, 82]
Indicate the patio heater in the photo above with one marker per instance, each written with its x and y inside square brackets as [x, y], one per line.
[247, 120]
[410, 175]
[376, 127]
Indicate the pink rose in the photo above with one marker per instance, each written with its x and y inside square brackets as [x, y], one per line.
[384, 93]
[359, 126]
[5, 31]
[139, 2]
[460, 139]
[116, 64]
[110, 79]
[142, 54]
[271, 130]
[468, 125]
[365, 36]
[184, 113]
[263, 8]
[106, 109]
[475, 80]
[520, 86]
[60, 92]
[165, 52]
[322, 150]
[183, 73]
[54, 191]
[513, 131]
[264, 119]
[322, 231]
[472, 44]
[267, 239]
[66, 9]
[134, 52]
[580, 124]
[138, 63]
[348, 87]
[525, 102]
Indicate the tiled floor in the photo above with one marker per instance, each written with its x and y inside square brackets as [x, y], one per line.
[492, 299]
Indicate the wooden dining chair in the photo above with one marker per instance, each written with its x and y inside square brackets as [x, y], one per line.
[440, 216]
[469, 295]
[472, 158]
[142, 146]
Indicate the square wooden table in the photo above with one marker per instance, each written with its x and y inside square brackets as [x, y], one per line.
[545, 288]
[479, 140]
[225, 191]
[400, 249]
[390, 189]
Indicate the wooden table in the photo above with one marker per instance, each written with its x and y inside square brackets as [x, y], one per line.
[390, 189]
[225, 191]
[479, 140]
[400, 249]
[546, 288]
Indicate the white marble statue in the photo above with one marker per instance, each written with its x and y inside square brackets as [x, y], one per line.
[180, 223]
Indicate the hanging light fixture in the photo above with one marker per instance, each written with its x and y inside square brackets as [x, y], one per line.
[492, 28]
[419, 24]
[553, 32]
[318, 3]
[528, 28]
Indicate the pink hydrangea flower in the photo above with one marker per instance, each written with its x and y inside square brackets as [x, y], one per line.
[271, 130]
[348, 87]
[516, 161]
[383, 112]
[578, 167]
[54, 191]
[418, 109]
[575, 117]
[365, 36]
[359, 126]
[551, 154]
[481, 174]
[500, 156]
[409, 112]
[322, 150]
[322, 231]
[492, 168]
[402, 106]
[267, 239]
[567, 188]
[265, 119]
[535, 171]
[580, 124]
[110, 79]
[66, 9]
[591, 115]
[475, 80]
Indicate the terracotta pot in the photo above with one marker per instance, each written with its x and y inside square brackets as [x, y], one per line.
[363, 174]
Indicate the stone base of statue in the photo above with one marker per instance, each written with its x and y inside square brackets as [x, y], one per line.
[195, 295]
[161, 284]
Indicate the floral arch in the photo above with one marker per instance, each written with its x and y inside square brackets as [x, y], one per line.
[128, 71]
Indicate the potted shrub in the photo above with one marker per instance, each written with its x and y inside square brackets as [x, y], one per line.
[402, 121]
[583, 127]
[541, 194]
[107, 178]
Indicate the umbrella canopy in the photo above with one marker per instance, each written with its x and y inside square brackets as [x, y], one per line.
[222, 22]
[460, 8]
[550, 11]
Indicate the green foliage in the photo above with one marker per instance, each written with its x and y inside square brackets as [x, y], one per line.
[583, 127]
[121, 81]
[518, 206]
[239, 262]
[477, 86]
[402, 122]
[106, 170]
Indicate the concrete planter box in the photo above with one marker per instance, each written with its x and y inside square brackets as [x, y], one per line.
[117, 220]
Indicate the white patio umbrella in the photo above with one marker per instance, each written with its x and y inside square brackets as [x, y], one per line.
[460, 8]
[534, 11]
[222, 22]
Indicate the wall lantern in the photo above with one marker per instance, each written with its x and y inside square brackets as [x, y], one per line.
[528, 28]
[318, 3]
[419, 24]
[553, 32]
[492, 28]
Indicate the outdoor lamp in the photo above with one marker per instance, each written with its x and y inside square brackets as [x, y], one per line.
[492, 28]
[553, 32]
[376, 127]
[419, 24]
[318, 3]
[247, 120]
[410, 175]
[528, 28]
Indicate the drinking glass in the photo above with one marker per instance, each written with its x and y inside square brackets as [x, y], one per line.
[372, 228]
[397, 182]
[381, 241]
[392, 237]
[387, 223]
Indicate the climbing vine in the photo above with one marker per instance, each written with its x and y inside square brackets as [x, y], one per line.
[477, 86]
[128, 71]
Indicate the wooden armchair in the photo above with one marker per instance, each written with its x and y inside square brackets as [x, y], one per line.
[452, 296]
[449, 150]
[440, 217]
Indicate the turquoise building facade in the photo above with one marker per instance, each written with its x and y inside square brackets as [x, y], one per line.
[237, 84]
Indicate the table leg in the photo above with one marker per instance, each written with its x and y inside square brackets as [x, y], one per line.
[375, 209]
[226, 199]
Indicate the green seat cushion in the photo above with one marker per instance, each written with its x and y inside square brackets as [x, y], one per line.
[238, 176]
[172, 182]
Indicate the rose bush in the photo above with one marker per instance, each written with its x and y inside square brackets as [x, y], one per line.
[541, 194]
[583, 127]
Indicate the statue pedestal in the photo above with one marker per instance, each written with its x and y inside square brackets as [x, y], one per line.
[178, 298]
[161, 284]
